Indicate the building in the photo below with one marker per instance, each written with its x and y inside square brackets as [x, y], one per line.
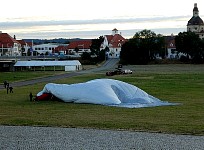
[114, 43]
[195, 24]
[68, 65]
[25, 46]
[79, 46]
[171, 47]
[61, 49]
[9, 46]
[44, 48]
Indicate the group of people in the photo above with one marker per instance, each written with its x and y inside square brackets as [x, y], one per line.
[8, 87]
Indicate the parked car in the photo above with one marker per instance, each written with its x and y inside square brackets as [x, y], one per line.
[127, 71]
[118, 71]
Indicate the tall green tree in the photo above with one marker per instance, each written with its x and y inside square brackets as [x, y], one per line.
[143, 47]
[95, 46]
[190, 44]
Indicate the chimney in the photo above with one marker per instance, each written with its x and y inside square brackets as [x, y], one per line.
[14, 37]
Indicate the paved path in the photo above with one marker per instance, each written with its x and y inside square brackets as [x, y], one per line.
[44, 138]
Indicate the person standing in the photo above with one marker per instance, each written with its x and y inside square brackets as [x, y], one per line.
[5, 84]
[31, 96]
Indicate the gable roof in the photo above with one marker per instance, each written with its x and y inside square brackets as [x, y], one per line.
[115, 40]
[22, 42]
[6, 40]
[82, 44]
[170, 41]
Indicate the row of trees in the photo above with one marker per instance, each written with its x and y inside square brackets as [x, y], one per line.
[146, 46]
[142, 48]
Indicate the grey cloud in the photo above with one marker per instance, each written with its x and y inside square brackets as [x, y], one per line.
[94, 34]
[28, 24]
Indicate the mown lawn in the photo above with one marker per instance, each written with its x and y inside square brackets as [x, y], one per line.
[183, 87]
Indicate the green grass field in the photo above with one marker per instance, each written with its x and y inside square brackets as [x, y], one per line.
[183, 84]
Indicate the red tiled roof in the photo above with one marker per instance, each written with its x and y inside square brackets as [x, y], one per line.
[170, 41]
[114, 29]
[115, 40]
[61, 48]
[6, 40]
[82, 44]
[30, 44]
[22, 42]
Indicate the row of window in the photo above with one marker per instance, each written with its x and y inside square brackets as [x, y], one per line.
[44, 48]
[189, 29]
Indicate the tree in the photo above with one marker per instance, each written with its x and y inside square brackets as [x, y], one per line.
[85, 56]
[76, 50]
[143, 47]
[190, 44]
[95, 46]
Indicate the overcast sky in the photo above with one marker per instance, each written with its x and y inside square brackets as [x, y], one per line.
[92, 18]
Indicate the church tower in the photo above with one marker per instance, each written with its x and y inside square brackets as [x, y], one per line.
[195, 24]
[195, 10]
[114, 31]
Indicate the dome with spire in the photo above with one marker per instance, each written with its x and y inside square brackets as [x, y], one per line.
[195, 20]
[195, 24]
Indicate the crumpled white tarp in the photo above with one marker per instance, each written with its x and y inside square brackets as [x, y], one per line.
[105, 92]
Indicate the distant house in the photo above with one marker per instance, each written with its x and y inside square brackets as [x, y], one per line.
[113, 43]
[61, 49]
[9, 46]
[79, 46]
[171, 47]
[45, 48]
[24, 47]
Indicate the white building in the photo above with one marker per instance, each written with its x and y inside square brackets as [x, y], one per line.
[45, 48]
[114, 43]
[9, 46]
[79, 47]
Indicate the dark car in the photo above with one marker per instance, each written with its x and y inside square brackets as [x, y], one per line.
[115, 72]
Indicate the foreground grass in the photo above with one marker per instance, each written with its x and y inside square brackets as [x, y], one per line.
[185, 88]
